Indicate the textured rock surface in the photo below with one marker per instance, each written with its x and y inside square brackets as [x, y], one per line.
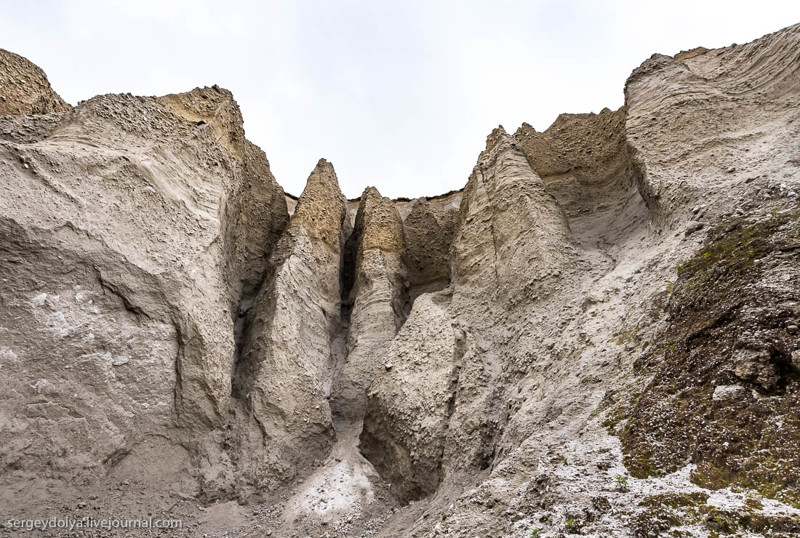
[120, 266]
[598, 335]
[584, 163]
[24, 88]
[411, 401]
[513, 237]
[732, 309]
[377, 299]
[429, 230]
[284, 368]
[730, 152]
[701, 125]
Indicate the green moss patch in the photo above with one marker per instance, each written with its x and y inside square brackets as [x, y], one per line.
[669, 510]
[734, 310]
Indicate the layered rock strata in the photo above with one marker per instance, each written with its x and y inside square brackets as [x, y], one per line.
[597, 335]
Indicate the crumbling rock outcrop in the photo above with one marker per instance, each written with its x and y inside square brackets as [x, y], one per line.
[377, 299]
[597, 331]
[24, 88]
[508, 221]
[583, 161]
[283, 370]
[530, 373]
[410, 403]
[725, 393]
[719, 142]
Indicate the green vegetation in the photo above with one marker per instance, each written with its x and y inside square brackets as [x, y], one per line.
[733, 251]
[676, 500]
[668, 510]
[737, 285]
[626, 336]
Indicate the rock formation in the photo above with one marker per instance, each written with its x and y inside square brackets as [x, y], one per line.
[24, 88]
[284, 366]
[598, 335]
[377, 296]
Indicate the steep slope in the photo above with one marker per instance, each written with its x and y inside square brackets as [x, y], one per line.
[123, 260]
[284, 368]
[724, 393]
[24, 88]
[598, 335]
[422, 413]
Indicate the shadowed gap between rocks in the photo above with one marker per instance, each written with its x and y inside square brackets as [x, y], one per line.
[339, 341]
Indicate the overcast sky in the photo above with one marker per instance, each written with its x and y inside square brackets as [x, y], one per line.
[397, 94]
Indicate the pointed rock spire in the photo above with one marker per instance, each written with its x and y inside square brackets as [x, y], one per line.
[283, 377]
[378, 222]
[497, 134]
[513, 231]
[377, 296]
[322, 206]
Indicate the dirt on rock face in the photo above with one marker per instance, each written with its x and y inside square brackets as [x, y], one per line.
[598, 335]
[24, 88]
[284, 364]
[725, 391]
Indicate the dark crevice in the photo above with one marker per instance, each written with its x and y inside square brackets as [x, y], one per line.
[241, 327]
[347, 279]
[639, 179]
[244, 324]
[348, 274]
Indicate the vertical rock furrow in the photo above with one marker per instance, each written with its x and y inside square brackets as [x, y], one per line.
[286, 360]
[513, 232]
[377, 298]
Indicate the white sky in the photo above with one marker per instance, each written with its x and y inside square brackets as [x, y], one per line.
[397, 94]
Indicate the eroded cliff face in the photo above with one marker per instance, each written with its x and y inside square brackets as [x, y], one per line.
[127, 244]
[597, 335]
[24, 88]
[284, 367]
